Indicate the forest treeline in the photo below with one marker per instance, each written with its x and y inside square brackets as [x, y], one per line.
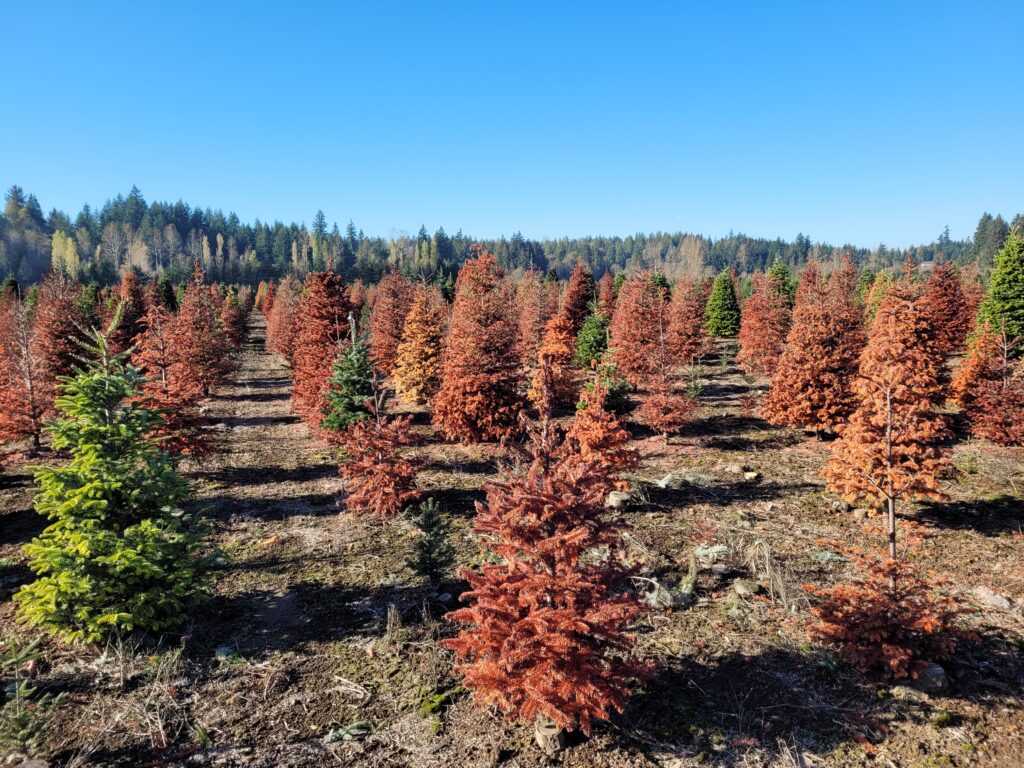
[129, 233]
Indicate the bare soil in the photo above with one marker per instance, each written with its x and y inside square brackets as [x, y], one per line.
[320, 646]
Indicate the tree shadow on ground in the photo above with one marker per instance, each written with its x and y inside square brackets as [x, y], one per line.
[470, 467]
[19, 526]
[245, 476]
[269, 382]
[311, 504]
[746, 444]
[725, 494]
[458, 502]
[720, 425]
[12, 480]
[252, 397]
[989, 517]
[258, 421]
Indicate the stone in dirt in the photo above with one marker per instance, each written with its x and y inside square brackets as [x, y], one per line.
[671, 482]
[932, 679]
[745, 588]
[991, 599]
[617, 499]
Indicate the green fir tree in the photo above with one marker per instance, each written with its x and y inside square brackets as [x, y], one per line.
[1003, 306]
[722, 315]
[119, 554]
[432, 554]
[592, 340]
[351, 385]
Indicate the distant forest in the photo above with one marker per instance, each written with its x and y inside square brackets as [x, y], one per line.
[129, 233]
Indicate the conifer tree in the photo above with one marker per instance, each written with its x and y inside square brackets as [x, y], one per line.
[592, 342]
[663, 409]
[131, 305]
[266, 301]
[202, 352]
[432, 554]
[537, 300]
[359, 297]
[545, 630]
[764, 325]
[1003, 306]
[391, 304]
[596, 436]
[479, 397]
[812, 386]
[889, 449]
[282, 323]
[418, 370]
[119, 554]
[378, 480]
[606, 294]
[990, 386]
[880, 287]
[232, 319]
[58, 323]
[164, 389]
[722, 315]
[323, 327]
[554, 362]
[946, 310]
[25, 396]
[638, 327]
[579, 293]
[350, 387]
[686, 335]
[786, 282]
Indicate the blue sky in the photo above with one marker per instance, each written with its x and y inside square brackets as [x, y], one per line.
[851, 122]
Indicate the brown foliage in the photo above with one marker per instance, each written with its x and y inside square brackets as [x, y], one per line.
[377, 479]
[323, 327]
[638, 328]
[606, 294]
[199, 344]
[282, 323]
[812, 386]
[596, 435]
[537, 300]
[132, 305]
[663, 409]
[686, 337]
[990, 386]
[58, 330]
[25, 396]
[763, 327]
[887, 617]
[266, 303]
[417, 373]
[546, 627]
[579, 292]
[946, 309]
[479, 397]
[554, 363]
[391, 304]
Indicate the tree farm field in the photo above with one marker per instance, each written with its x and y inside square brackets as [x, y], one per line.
[320, 646]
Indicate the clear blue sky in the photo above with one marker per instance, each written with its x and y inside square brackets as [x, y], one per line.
[851, 122]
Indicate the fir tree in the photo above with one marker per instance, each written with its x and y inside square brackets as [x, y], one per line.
[26, 396]
[323, 328]
[479, 397]
[638, 327]
[686, 335]
[391, 304]
[537, 300]
[431, 555]
[350, 386]
[889, 449]
[579, 293]
[990, 386]
[201, 350]
[722, 315]
[592, 341]
[132, 305]
[418, 370]
[119, 554]
[596, 435]
[763, 327]
[282, 322]
[946, 310]
[606, 294]
[1003, 307]
[554, 358]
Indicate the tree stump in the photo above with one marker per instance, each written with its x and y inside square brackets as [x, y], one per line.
[549, 736]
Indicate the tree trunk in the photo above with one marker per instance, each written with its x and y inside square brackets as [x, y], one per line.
[891, 503]
[549, 736]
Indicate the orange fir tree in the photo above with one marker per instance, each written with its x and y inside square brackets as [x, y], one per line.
[201, 349]
[323, 327]
[579, 293]
[890, 447]
[946, 309]
[25, 395]
[596, 436]
[282, 323]
[606, 294]
[545, 632]
[764, 324]
[812, 386]
[378, 480]
[132, 306]
[537, 300]
[479, 397]
[418, 370]
[990, 386]
[59, 323]
[663, 409]
[555, 383]
[638, 327]
[687, 338]
[391, 303]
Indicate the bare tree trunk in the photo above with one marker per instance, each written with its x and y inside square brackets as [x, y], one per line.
[891, 503]
[549, 736]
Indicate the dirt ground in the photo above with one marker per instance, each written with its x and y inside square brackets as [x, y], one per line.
[320, 646]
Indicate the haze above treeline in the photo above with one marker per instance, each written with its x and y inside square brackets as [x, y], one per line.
[128, 232]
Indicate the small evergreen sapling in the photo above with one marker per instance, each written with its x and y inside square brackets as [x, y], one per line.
[432, 554]
[350, 387]
[592, 341]
[119, 554]
[722, 315]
